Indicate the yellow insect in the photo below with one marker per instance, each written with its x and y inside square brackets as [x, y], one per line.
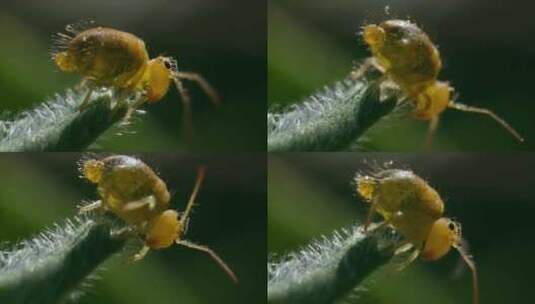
[106, 57]
[409, 59]
[131, 190]
[412, 207]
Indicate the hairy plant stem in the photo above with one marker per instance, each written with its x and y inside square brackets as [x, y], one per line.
[332, 119]
[59, 125]
[326, 271]
[49, 268]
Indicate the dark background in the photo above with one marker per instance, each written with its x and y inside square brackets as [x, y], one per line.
[491, 195]
[225, 41]
[487, 48]
[229, 217]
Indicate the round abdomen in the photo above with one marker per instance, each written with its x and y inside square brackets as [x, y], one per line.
[108, 56]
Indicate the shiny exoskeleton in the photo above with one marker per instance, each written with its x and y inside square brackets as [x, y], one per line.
[408, 58]
[128, 187]
[107, 57]
[132, 191]
[415, 209]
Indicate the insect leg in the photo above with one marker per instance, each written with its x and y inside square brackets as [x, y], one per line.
[368, 63]
[146, 202]
[205, 85]
[212, 254]
[141, 254]
[186, 102]
[141, 101]
[90, 207]
[472, 265]
[122, 232]
[371, 212]
[121, 95]
[200, 177]
[433, 124]
[503, 123]
[410, 259]
[83, 84]
[87, 97]
[403, 247]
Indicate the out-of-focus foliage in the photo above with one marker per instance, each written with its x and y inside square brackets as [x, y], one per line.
[230, 217]
[487, 50]
[213, 38]
[311, 194]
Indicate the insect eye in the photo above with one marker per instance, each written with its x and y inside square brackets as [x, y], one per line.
[451, 226]
[167, 64]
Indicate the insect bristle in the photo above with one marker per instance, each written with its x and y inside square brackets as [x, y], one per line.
[60, 42]
[80, 26]
[374, 167]
[80, 163]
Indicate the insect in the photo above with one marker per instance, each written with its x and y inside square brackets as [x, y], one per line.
[132, 191]
[409, 59]
[412, 207]
[107, 57]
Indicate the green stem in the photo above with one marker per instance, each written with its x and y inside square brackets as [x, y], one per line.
[49, 268]
[327, 271]
[59, 125]
[331, 119]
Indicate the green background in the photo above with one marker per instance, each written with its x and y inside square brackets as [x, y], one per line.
[491, 195]
[225, 41]
[487, 48]
[230, 217]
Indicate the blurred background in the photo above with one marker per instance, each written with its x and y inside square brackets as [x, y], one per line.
[229, 217]
[225, 41]
[492, 195]
[487, 48]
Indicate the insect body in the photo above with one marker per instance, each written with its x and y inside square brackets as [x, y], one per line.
[408, 58]
[411, 206]
[131, 190]
[107, 57]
